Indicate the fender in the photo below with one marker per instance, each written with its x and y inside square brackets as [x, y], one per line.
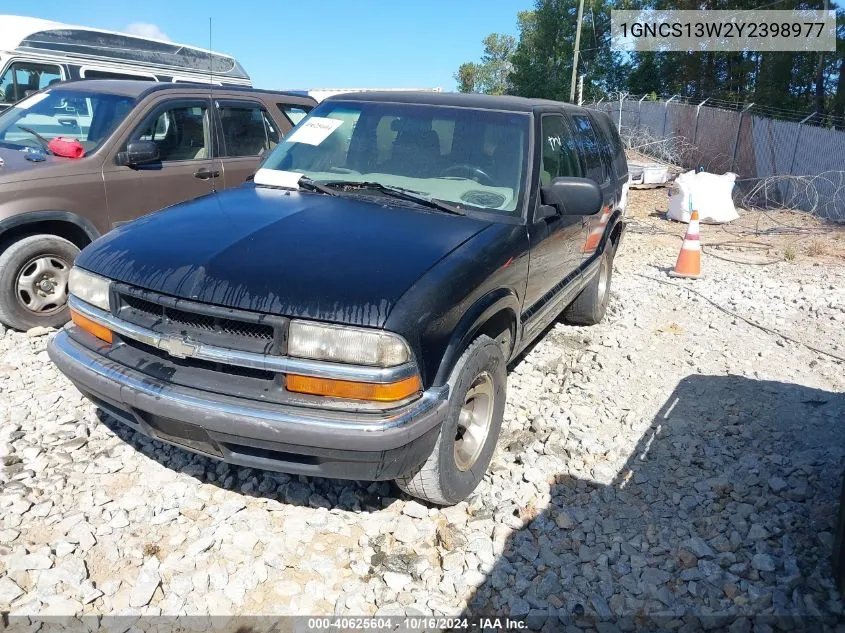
[33, 217]
[614, 224]
[472, 321]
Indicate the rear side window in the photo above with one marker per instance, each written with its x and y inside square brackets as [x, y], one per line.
[247, 130]
[293, 113]
[617, 150]
[588, 144]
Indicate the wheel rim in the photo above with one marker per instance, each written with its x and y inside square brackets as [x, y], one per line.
[474, 421]
[41, 286]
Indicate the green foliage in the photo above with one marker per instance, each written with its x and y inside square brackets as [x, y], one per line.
[539, 63]
[490, 76]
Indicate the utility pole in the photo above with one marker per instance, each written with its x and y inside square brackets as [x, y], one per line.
[575, 54]
[820, 74]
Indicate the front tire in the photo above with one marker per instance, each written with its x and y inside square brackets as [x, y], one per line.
[33, 281]
[589, 306]
[469, 434]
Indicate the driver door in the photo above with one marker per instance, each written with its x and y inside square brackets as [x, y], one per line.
[556, 241]
[181, 128]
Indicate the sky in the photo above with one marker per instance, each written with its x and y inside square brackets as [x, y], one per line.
[329, 44]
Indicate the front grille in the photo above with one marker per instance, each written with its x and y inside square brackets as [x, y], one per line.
[202, 323]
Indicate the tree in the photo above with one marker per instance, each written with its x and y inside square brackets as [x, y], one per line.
[467, 77]
[543, 58]
[490, 76]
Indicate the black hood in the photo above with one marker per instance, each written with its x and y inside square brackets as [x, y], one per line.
[329, 258]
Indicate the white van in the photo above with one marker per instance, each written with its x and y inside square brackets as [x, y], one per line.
[35, 53]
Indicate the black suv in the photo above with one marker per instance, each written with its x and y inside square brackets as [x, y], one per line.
[351, 311]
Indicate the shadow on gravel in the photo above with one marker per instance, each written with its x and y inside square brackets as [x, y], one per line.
[723, 514]
[295, 490]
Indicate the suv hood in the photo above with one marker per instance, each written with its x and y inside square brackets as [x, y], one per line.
[298, 254]
[16, 167]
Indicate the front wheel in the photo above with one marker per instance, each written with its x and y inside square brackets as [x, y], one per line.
[469, 434]
[33, 281]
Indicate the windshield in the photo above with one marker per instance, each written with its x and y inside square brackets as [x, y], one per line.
[470, 158]
[86, 116]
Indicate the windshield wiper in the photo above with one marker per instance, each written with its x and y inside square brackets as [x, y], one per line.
[45, 144]
[398, 192]
[310, 185]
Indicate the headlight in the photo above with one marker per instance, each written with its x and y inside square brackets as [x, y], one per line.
[341, 344]
[90, 288]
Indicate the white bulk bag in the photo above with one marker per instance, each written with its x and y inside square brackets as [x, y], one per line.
[711, 197]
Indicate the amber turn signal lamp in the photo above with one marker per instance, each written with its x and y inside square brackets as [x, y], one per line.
[92, 327]
[379, 392]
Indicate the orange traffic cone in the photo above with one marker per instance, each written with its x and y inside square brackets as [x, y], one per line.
[689, 259]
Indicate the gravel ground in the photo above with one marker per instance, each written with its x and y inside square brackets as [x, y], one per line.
[673, 460]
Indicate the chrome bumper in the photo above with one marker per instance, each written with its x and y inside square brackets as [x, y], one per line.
[137, 395]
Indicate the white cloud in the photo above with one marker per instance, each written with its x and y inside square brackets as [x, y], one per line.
[145, 29]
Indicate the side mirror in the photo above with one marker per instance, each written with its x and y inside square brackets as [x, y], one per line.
[572, 196]
[138, 153]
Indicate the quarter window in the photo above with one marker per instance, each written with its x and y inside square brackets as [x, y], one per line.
[247, 131]
[181, 132]
[559, 157]
[23, 78]
[293, 113]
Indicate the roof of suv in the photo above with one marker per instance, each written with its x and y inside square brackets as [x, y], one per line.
[459, 99]
[139, 88]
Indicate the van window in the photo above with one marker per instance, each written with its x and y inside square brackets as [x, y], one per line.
[588, 143]
[247, 131]
[91, 73]
[23, 78]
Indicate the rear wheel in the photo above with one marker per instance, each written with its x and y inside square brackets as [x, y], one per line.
[589, 306]
[468, 436]
[33, 281]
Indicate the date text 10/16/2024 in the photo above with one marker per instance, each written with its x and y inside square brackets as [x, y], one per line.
[420, 623]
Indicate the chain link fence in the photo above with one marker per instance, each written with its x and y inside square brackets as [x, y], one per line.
[781, 161]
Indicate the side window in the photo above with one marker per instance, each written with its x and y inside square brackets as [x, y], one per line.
[247, 130]
[23, 78]
[559, 157]
[293, 113]
[615, 147]
[181, 132]
[591, 151]
[91, 73]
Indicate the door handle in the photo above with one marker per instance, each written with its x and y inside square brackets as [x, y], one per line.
[205, 174]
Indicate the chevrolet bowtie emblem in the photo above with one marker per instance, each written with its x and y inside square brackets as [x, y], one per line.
[177, 347]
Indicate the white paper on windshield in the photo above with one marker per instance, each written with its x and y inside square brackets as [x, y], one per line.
[277, 178]
[31, 101]
[314, 131]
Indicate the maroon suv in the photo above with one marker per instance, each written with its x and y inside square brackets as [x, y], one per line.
[143, 146]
